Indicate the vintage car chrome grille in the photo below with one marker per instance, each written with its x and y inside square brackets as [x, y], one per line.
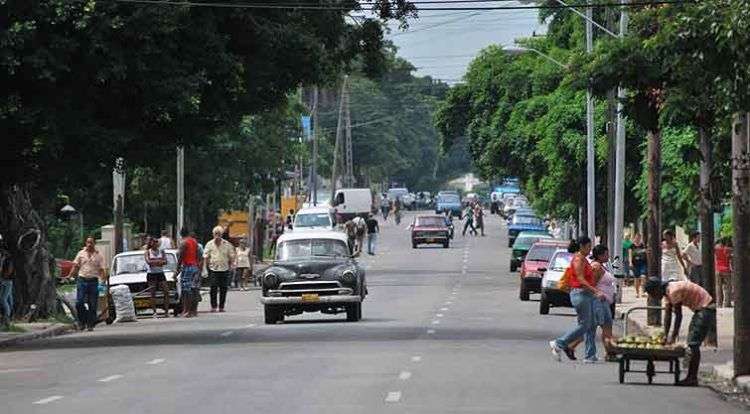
[320, 287]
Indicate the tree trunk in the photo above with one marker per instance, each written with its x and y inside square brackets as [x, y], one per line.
[654, 218]
[26, 236]
[706, 219]
[741, 224]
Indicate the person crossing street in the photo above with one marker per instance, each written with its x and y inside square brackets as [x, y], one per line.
[88, 267]
[468, 216]
[219, 255]
[372, 234]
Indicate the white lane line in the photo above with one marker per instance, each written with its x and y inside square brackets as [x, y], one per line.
[430, 331]
[416, 358]
[443, 309]
[439, 315]
[436, 322]
[448, 303]
[393, 397]
[404, 375]
[249, 325]
[48, 399]
[155, 361]
[110, 378]
[227, 333]
[15, 370]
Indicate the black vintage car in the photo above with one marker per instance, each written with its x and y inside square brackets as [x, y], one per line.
[313, 272]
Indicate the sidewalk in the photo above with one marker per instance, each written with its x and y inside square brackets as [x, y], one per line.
[714, 360]
[29, 331]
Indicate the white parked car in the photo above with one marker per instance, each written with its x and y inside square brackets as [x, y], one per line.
[129, 268]
[314, 218]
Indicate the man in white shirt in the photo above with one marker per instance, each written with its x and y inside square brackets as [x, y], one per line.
[220, 257]
[165, 242]
[692, 255]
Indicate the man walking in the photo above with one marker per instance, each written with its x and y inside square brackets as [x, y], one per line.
[372, 234]
[6, 283]
[479, 218]
[189, 263]
[468, 216]
[88, 265]
[219, 255]
[360, 228]
[165, 242]
[723, 261]
[692, 255]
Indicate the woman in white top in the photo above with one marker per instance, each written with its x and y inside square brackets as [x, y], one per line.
[155, 261]
[243, 265]
[672, 266]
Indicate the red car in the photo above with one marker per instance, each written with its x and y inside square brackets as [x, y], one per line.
[537, 258]
[430, 229]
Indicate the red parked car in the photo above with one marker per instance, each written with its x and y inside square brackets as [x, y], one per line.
[537, 258]
[430, 229]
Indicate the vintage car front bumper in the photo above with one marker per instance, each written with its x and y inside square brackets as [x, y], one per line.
[299, 300]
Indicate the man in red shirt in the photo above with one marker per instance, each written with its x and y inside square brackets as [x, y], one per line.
[189, 265]
[723, 261]
[677, 294]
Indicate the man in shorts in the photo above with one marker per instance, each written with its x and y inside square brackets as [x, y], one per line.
[677, 294]
[189, 263]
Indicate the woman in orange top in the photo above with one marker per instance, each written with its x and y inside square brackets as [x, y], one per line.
[583, 293]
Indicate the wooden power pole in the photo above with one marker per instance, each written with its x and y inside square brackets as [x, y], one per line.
[741, 224]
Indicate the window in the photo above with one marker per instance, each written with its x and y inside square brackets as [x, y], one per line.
[541, 253]
[296, 249]
[313, 220]
[561, 261]
[530, 220]
[136, 263]
[339, 199]
[430, 221]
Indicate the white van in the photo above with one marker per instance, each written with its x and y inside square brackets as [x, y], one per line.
[314, 218]
[352, 202]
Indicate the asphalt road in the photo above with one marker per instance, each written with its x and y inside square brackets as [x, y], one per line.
[443, 332]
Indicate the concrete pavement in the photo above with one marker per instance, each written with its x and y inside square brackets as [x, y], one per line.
[443, 331]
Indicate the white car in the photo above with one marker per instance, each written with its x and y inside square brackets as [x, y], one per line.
[551, 295]
[129, 268]
[314, 218]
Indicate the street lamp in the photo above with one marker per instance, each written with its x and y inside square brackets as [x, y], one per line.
[521, 49]
[70, 211]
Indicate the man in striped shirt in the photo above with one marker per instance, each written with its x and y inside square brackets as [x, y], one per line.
[685, 293]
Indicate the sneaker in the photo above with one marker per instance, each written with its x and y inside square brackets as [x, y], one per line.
[213, 310]
[222, 310]
[556, 350]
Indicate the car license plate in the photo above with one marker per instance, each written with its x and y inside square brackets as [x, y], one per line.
[310, 297]
[141, 303]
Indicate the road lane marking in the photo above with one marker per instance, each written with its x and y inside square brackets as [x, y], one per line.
[416, 358]
[155, 361]
[249, 326]
[430, 331]
[439, 315]
[227, 333]
[393, 397]
[48, 399]
[110, 378]
[443, 309]
[448, 302]
[404, 375]
[15, 370]
[436, 322]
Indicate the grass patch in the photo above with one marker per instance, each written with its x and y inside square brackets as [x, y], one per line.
[63, 289]
[12, 328]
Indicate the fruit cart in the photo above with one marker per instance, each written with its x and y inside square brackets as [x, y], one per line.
[648, 349]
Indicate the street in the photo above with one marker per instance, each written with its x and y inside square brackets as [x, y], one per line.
[443, 331]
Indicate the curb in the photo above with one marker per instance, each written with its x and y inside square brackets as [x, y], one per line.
[725, 372]
[54, 330]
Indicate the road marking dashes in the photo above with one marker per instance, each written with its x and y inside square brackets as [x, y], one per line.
[393, 397]
[227, 333]
[430, 331]
[155, 361]
[436, 322]
[110, 378]
[15, 370]
[416, 358]
[48, 399]
[443, 309]
[439, 315]
[404, 375]
[249, 326]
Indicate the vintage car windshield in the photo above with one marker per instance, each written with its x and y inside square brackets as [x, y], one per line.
[296, 249]
[136, 263]
[430, 222]
[313, 220]
[534, 221]
[448, 198]
[541, 253]
[525, 242]
[561, 261]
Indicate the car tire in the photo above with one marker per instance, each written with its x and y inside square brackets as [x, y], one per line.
[177, 309]
[513, 267]
[353, 312]
[543, 305]
[272, 314]
[413, 245]
[446, 245]
[523, 292]
[510, 243]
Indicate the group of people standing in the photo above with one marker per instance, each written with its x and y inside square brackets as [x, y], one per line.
[473, 217]
[357, 228]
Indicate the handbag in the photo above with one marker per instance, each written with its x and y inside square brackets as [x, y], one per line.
[564, 283]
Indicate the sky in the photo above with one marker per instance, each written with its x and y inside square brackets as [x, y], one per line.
[442, 43]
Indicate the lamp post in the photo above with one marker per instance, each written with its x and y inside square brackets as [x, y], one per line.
[70, 211]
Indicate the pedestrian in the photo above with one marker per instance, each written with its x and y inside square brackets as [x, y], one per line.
[88, 268]
[468, 217]
[677, 294]
[479, 217]
[672, 266]
[243, 265]
[638, 264]
[723, 262]
[692, 256]
[156, 259]
[219, 255]
[351, 234]
[555, 230]
[583, 293]
[165, 242]
[607, 284]
[372, 234]
[397, 210]
[290, 220]
[627, 252]
[189, 264]
[385, 206]
[7, 272]
[360, 230]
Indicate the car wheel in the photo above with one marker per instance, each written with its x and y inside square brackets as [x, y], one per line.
[446, 245]
[543, 305]
[177, 309]
[272, 314]
[510, 243]
[523, 293]
[353, 312]
[513, 267]
[413, 245]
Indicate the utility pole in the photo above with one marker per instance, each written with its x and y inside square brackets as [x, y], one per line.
[337, 145]
[349, 157]
[118, 225]
[314, 164]
[619, 222]
[741, 224]
[590, 213]
[180, 189]
[653, 253]
[611, 149]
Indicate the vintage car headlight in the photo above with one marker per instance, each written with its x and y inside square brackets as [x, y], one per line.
[271, 281]
[349, 278]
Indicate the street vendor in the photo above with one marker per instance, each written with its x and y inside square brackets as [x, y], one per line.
[677, 294]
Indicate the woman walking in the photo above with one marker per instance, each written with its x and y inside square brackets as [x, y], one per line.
[155, 261]
[243, 266]
[638, 262]
[583, 293]
[672, 266]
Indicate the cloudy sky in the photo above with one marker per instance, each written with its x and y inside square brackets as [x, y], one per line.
[442, 43]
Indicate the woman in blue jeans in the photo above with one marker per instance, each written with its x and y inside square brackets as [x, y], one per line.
[583, 293]
[6, 283]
